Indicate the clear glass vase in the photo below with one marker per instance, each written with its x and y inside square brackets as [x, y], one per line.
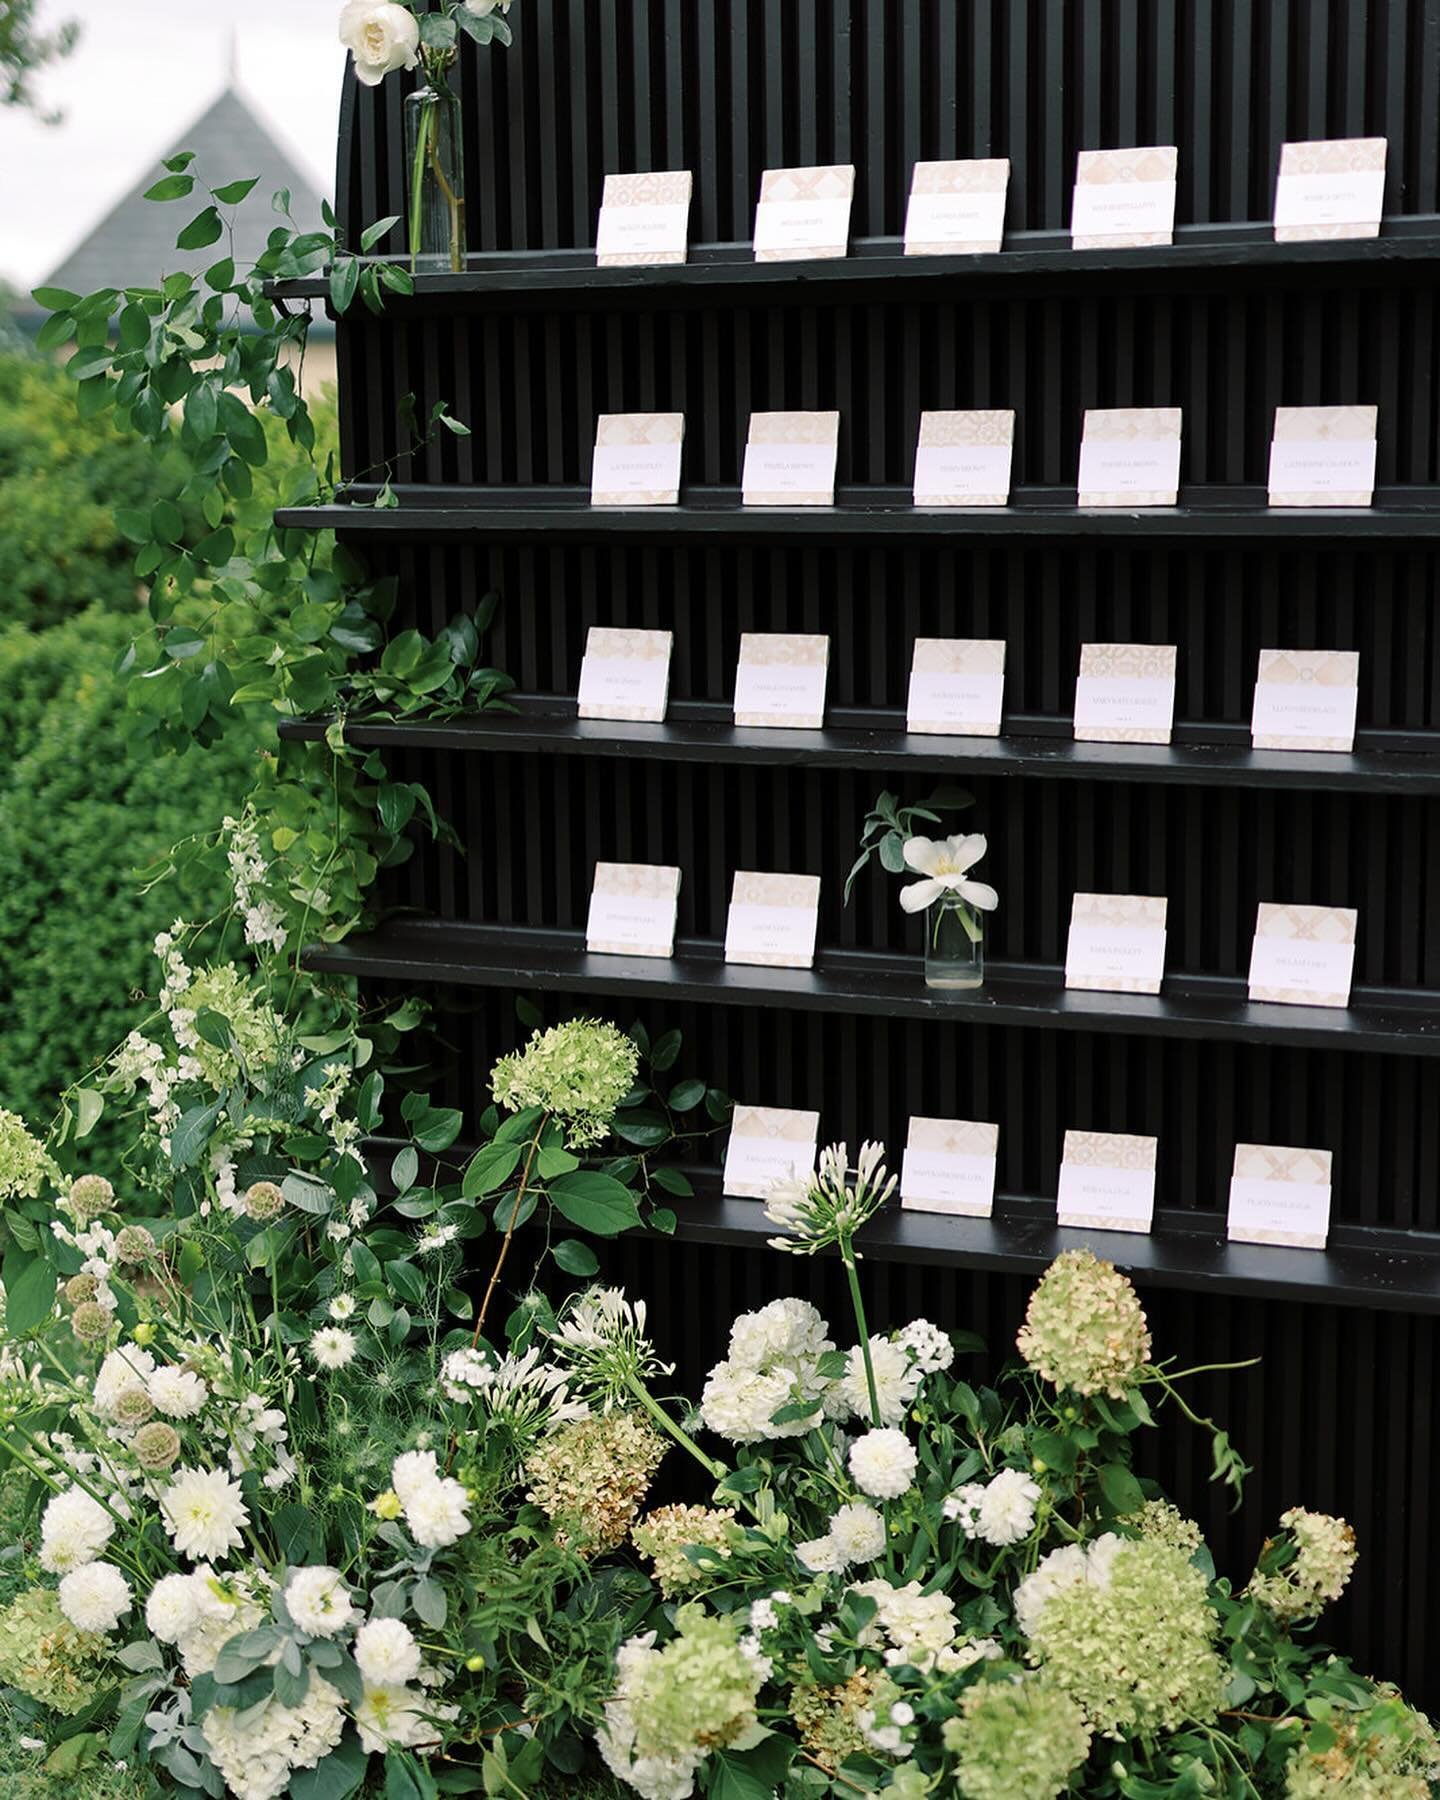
[954, 945]
[435, 157]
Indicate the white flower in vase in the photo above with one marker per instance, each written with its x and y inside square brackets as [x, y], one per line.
[382, 37]
[946, 864]
[483, 8]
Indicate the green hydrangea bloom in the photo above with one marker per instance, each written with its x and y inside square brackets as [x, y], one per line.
[43, 1655]
[1389, 1753]
[258, 1033]
[1015, 1740]
[578, 1072]
[699, 1690]
[1085, 1329]
[1137, 1651]
[24, 1166]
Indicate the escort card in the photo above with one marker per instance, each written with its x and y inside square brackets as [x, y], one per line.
[1130, 456]
[804, 213]
[1303, 955]
[1107, 1180]
[632, 909]
[1323, 456]
[1125, 694]
[949, 1167]
[781, 680]
[644, 219]
[1331, 189]
[625, 674]
[1306, 700]
[773, 920]
[637, 459]
[790, 459]
[1124, 198]
[963, 458]
[1117, 943]
[1280, 1196]
[956, 208]
[768, 1144]
[957, 687]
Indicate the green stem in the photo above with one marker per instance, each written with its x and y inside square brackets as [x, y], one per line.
[428, 118]
[847, 1252]
[716, 1471]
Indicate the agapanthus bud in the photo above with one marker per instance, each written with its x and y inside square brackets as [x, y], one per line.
[156, 1446]
[90, 1323]
[134, 1244]
[264, 1201]
[91, 1197]
[80, 1288]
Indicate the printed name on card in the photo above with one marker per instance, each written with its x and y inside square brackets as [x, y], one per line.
[637, 459]
[1107, 1181]
[1125, 694]
[790, 459]
[1333, 188]
[1280, 1195]
[1130, 456]
[1117, 943]
[957, 208]
[1306, 700]
[625, 674]
[1323, 456]
[644, 220]
[949, 1167]
[768, 1144]
[1124, 198]
[957, 687]
[632, 909]
[773, 920]
[1303, 955]
[804, 213]
[780, 680]
[963, 458]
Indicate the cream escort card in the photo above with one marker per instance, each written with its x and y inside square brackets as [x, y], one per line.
[781, 680]
[1303, 955]
[949, 1167]
[790, 459]
[956, 208]
[1125, 694]
[1334, 188]
[804, 213]
[625, 674]
[1124, 198]
[1306, 700]
[768, 1144]
[1130, 456]
[773, 920]
[1117, 943]
[1107, 1180]
[1280, 1196]
[1323, 456]
[632, 909]
[644, 219]
[637, 459]
[957, 687]
[963, 458]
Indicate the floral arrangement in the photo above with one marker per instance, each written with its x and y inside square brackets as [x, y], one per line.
[383, 37]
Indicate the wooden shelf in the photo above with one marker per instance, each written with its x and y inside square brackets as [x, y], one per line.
[427, 514]
[862, 982]
[1202, 256]
[870, 738]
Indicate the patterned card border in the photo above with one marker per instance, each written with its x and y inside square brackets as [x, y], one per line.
[956, 656]
[1303, 669]
[672, 187]
[818, 428]
[770, 1124]
[782, 649]
[1318, 425]
[951, 1137]
[994, 428]
[1134, 912]
[1329, 156]
[1107, 1150]
[976, 175]
[1126, 662]
[1307, 924]
[834, 181]
[1130, 424]
[1158, 163]
[635, 881]
[624, 430]
[617, 643]
[762, 888]
[1283, 1165]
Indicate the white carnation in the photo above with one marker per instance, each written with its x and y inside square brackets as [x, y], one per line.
[858, 1532]
[883, 1463]
[786, 1331]
[438, 1515]
[318, 1600]
[740, 1404]
[94, 1598]
[820, 1555]
[1007, 1512]
[178, 1393]
[386, 1653]
[74, 1531]
[204, 1512]
[172, 1611]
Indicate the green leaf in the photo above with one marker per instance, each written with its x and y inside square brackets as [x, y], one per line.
[205, 228]
[595, 1203]
[54, 299]
[29, 1298]
[372, 234]
[58, 329]
[171, 187]
[216, 548]
[686, 1095]
[664, 1051]
[344, 280]
[438, 1129]
[337, 1777]
[673, 1182]
[246, 434]
[192, 1134]
[1122, 1491]
[88, 1106]
[645, 1130]
[404, 1279]
[576, 1258]
[756, 1774]
[234, 192]
[405, 1168]
[553, 1160]
[308, 1194]
[489, 1169]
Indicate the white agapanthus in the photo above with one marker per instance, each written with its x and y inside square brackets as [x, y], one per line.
[74, 1531]
[945, 863]
[257, 1749]
[205, 1514]
[178, 1393]
[883, 1463]
[94, 1598]
[123, 1369]
[929, 1345]
[897, 1381]
[1071, 1566]
[333, 1348]
[381, 37]
[318, 1600]
[464, 1373]
[386, 1653]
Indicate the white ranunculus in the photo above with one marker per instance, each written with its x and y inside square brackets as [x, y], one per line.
[381, 37]
[945, 864]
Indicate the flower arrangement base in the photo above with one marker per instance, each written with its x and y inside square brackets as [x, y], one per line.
[954, 949]
[434, 151]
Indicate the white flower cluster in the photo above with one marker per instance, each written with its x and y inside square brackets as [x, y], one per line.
[95, 1597]
[249, 873]
[200, 1612]
[1071, 1566]
[920, 1629]
[883, 1463]
[999, 1511]
[436, 1509]
[325, 1101]
[773, 1364]
[258, 1749]
[464, 1373]
[856, 1535]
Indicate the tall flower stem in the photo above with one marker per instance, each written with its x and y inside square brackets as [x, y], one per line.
[490, 1286]
[852, 1273]
[716, 1471]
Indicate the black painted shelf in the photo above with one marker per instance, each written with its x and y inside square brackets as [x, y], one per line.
[870, 738]
[1223, 255]
[870, 983]
[428, 514]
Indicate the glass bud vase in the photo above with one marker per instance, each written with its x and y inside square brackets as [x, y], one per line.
[954, 945]
[434, 151]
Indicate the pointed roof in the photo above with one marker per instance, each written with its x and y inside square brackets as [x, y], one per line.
[135, 243]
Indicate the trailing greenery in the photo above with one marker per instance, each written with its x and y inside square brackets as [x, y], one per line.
[25, 49]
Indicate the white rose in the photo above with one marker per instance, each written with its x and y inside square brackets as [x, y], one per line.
[381, 37]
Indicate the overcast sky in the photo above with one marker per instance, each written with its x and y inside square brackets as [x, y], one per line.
[144, 69]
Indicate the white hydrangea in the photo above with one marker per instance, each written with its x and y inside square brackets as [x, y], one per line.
[1070, 1566]
[785, 1331]
[94, 1598]
[883, 1463]
[897, 1381]
[386, 1653]
[74, 1531]
[929, 1345]
[318, 1600]
[920, 1628]
[740, 1404]
[123, 1369]
[257, 1750]
[200, 1612]
[178, 1393]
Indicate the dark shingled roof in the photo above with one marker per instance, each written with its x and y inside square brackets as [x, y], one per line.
[135, 243]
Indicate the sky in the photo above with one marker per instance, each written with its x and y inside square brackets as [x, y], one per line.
[143, 70]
